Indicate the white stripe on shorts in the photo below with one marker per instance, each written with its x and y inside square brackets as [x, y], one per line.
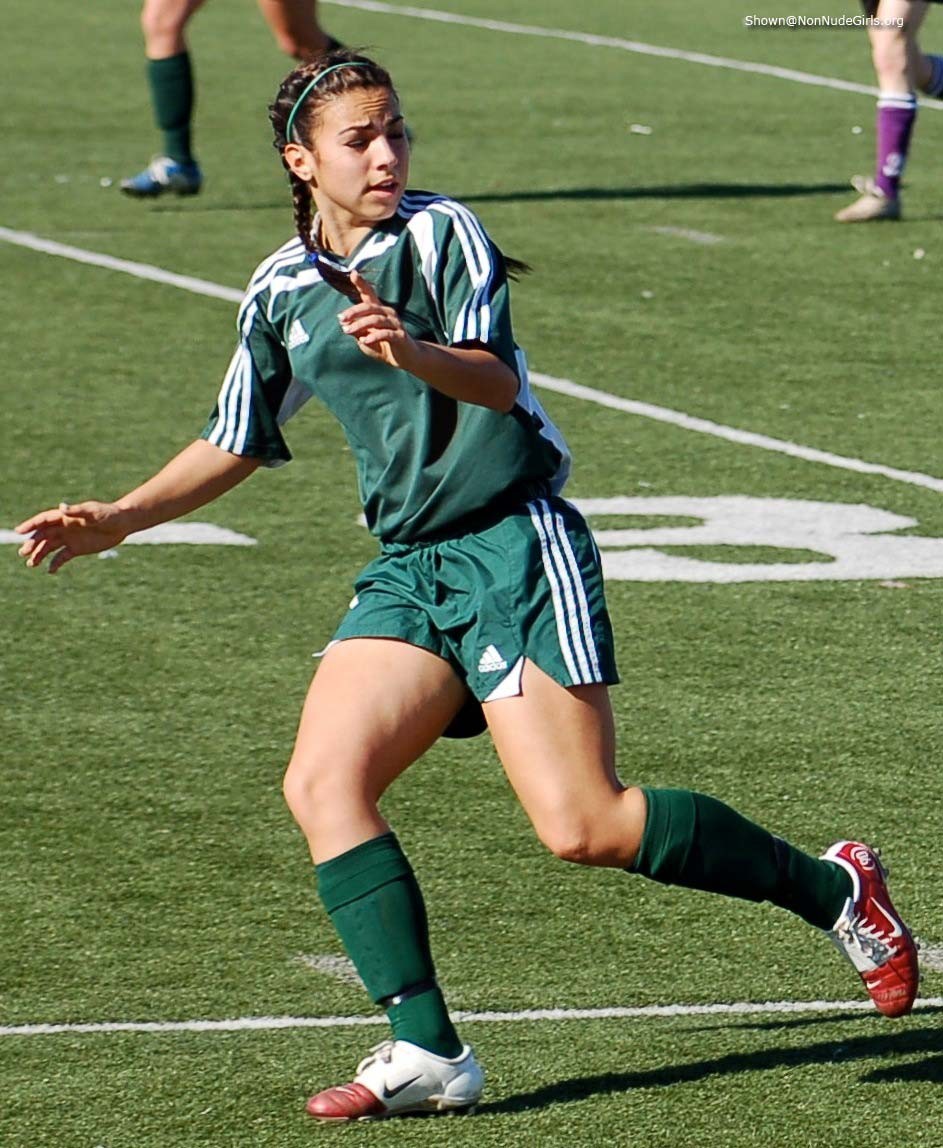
[569, 598]
[586, 624]
[558, 609]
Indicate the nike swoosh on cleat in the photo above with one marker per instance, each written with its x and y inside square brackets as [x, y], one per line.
[389, 1093]
[896, 930]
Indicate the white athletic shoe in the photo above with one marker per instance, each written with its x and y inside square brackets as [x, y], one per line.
[398, 1077]
[873, 205]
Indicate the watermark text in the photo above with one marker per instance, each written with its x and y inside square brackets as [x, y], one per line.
[847, 21]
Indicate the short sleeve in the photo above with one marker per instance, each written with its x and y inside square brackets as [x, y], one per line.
[245, 420]
[471, 283]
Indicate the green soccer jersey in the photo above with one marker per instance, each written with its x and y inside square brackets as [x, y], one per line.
[425, 462]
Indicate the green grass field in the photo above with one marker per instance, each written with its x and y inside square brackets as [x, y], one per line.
[149, 871]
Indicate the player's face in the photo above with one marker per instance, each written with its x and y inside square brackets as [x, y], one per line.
[360, 155]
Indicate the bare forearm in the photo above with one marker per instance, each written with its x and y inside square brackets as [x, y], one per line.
[200, 473]
[469, 374]
[197, 475]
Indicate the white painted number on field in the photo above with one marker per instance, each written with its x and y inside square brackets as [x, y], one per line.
[174, 533]
[191, 534]
[853, 541]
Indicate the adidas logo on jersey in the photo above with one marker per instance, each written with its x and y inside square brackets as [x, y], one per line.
[491, 661]
[297, 335]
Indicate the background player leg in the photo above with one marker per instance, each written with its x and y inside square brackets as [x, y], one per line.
[375, 706]
[170, 78]
[557, 747]
[294, 25]
[900, 68]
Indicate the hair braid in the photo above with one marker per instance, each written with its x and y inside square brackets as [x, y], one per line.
[301, 205]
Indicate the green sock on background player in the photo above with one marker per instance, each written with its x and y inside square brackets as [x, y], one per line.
[375, 903]
[700, 843]
[172, 95]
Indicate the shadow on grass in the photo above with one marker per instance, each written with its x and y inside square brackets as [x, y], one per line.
[921, 1040]
[664, 191]
[793, 1022]
[191, 207]
[930, 1070]
[833, 1018]
[534, 195]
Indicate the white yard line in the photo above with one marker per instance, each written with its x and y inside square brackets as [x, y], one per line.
[562, 386]
[732, 434]
[646, 1012]
[705, 237]
[110, 263]
[636, 46]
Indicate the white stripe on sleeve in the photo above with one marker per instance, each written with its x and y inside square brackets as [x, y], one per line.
[245, 405]
[474, 318]
[215, 436]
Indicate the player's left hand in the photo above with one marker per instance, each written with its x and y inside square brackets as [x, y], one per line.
[378, 329]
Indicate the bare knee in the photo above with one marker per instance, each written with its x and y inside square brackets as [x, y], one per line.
[580, 842]
[603, 833]
[311, 787]
[296, 789]
[295, 29]
[304, 46]
[570, 844]
[163, 23]
[333, 801]
[889, 53]
[163, 18]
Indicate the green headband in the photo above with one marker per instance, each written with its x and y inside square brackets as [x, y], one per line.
[317, 79]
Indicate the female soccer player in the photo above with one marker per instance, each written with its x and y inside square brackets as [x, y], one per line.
[902, 69]
[392, 308]
[294, 25]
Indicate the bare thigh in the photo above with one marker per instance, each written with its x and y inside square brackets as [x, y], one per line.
[557, 746]
[294, 25]
[374, 707]
[898, 62]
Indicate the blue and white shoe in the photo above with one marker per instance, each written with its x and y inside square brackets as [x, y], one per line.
[164, 174]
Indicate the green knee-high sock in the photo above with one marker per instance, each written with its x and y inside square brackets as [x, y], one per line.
[375, 903]
[699, 842]
[172, 94]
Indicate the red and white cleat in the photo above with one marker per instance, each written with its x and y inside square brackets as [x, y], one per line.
[397, 1078]
[871, 933]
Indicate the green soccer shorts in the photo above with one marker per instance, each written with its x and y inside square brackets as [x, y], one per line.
[529, 586]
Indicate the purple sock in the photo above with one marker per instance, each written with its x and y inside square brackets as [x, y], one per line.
[895, 121]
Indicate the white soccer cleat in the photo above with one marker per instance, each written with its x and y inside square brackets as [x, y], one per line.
[873, 205]
[397, 1078]
[870, 932]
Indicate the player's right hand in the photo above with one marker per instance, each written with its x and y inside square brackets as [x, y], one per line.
[68, 531]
